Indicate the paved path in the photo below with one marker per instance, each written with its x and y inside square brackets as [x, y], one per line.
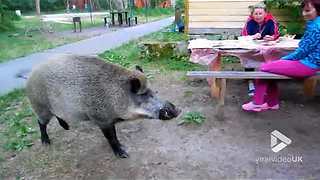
[95, 45]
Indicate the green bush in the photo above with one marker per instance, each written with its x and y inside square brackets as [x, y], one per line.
[51, 5]
[295, 26]
[6, 17]
[192, 118]
[180, 4]
[29, 5]
[282, 3]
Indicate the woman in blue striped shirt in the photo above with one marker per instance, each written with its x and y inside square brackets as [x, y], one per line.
[303, 62]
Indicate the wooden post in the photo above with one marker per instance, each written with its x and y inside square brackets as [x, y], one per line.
[215, 86]
[112, 18]
[126, 16]
[309, 87]
[222, 83]
[223, 86]
[186, 16]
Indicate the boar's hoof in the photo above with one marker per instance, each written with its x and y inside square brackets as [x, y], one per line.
[45, 141]
[169, 111]
[44, 135]
[119, 152]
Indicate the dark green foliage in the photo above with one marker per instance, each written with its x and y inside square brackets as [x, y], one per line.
[52, 5]
[6, 16]
[180, 4]
[282, 3]
[29, 5]
[23, 5]
[296, 25]
[295, 28]
[155, 3]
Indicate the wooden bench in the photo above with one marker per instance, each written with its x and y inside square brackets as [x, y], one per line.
[135, 18]
[219, 83]
[120, 17]
[75, 20]
[106, 22]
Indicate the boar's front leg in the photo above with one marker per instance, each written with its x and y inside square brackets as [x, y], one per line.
[110, 133]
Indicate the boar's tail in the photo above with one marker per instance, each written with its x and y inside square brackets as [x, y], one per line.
[63, 124]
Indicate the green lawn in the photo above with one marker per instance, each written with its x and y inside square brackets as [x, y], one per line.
[18, 125]
[133, 57]
[32, 36]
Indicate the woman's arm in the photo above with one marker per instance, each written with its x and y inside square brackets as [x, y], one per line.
[270, 31]
[308, 43]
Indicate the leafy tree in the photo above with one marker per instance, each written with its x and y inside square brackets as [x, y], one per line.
[283, 3]
[293, 9]
[180, 4]
[6, 16]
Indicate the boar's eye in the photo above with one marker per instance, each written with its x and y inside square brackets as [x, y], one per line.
[148, 93]
[138, 68]
[135, 85]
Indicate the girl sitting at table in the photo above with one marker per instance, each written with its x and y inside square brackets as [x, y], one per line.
[260, 25]
[302, 63]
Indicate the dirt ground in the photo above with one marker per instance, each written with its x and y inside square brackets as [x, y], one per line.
[217, 149]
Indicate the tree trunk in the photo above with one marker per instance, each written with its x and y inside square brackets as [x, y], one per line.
[37, 7]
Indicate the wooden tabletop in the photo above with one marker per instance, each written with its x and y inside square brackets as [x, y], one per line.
[281, 43]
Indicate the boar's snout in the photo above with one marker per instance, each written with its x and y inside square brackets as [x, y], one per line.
[168, 111]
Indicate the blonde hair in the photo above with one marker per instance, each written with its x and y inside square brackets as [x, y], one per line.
[257, 6]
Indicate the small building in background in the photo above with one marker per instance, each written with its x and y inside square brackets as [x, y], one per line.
[206, 16]
[158, 3]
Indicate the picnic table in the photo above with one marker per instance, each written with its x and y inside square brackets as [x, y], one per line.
[251, 53]
[120, 15]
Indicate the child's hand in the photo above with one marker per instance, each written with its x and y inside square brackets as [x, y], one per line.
[256, 36]
[268, 38]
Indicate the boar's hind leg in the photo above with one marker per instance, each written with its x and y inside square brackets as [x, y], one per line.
[44, 116]
[43, 130]
[62, 123]
[110, 133]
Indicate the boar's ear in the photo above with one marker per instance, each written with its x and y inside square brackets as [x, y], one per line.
[135, 85]
[138, 68]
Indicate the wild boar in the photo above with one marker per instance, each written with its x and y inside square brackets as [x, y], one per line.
[71, 87]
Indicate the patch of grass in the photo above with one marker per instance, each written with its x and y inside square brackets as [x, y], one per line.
[13, 47]
[187, 94]
[17, 122]
[230, 59]
[31, 36]
[166, 36]
[128, 55]
[153, 12]
[192, 118]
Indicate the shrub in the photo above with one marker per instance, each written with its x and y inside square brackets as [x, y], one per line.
[6, 16]
[29, 5]
[180, 4]
[292, 7]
